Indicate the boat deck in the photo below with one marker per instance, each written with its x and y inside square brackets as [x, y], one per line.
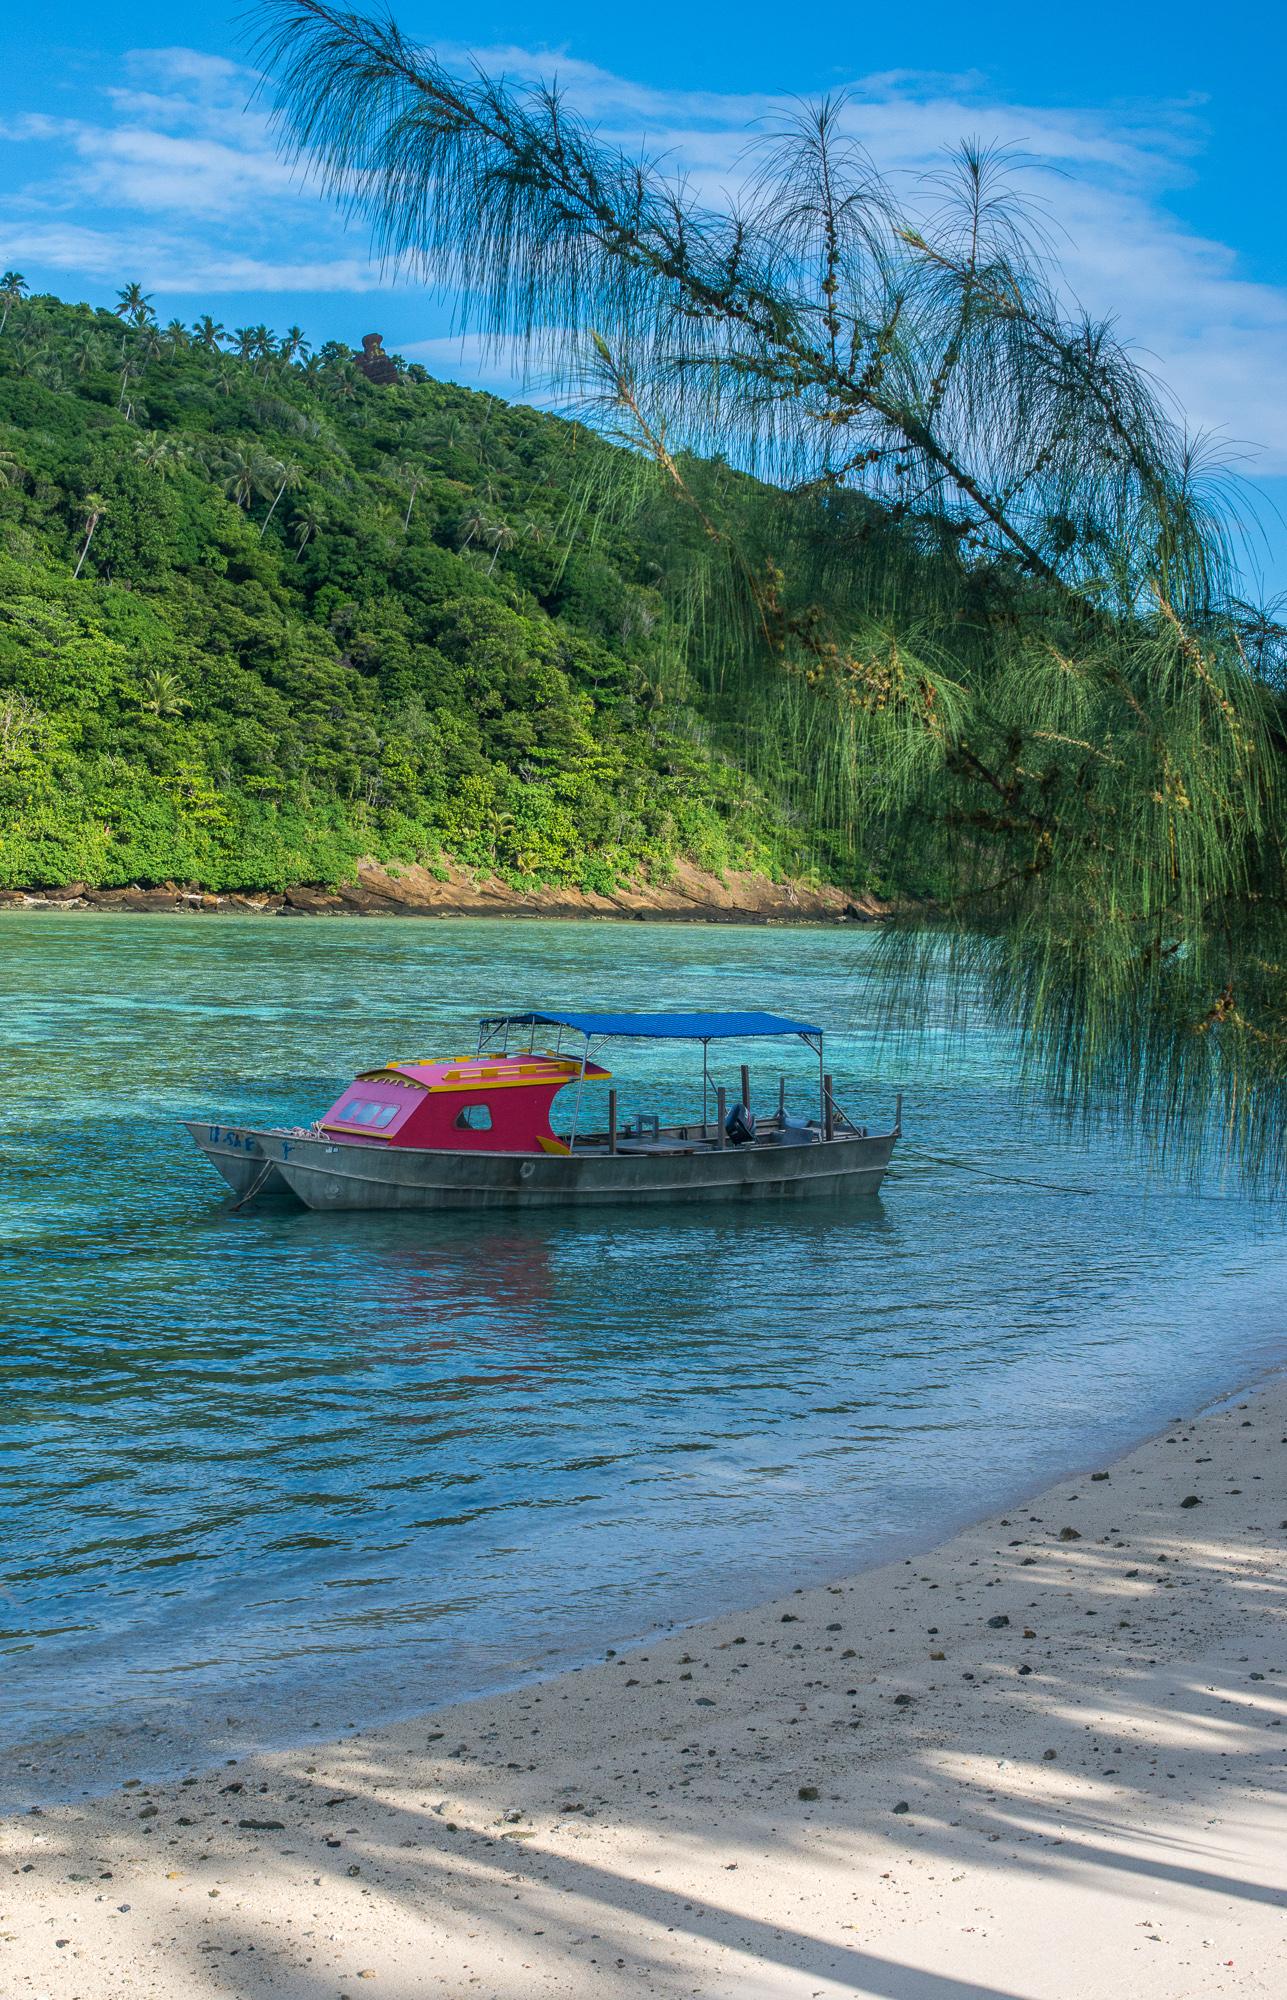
[679, 1139]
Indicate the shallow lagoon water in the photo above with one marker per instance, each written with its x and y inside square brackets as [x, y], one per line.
[267, 1472]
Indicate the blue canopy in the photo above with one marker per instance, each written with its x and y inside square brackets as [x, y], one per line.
[659, 1027]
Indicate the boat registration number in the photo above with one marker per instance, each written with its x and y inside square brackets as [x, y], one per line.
[243, 1142]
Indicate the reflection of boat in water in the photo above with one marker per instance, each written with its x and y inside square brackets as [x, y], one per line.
[474, 1131]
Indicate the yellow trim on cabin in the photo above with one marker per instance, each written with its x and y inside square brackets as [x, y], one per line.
[534, 1068]
[453, 1084]
[552, 1145]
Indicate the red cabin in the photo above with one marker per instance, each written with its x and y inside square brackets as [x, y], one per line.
[482, 1104]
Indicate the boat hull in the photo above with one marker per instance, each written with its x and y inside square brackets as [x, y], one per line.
[325, 1175]
[248, 1160]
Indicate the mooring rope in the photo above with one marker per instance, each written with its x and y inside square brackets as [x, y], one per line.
[1068, 1187]
[254, 1187]
[974, 1167]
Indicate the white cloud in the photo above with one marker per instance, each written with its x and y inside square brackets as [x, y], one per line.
[166, 263]
[134, 167]
[1102, 175]
[192, 145]
[179, 183]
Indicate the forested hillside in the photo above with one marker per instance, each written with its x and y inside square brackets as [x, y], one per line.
[260, 615]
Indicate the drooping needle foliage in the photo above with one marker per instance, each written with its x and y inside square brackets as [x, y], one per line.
[976, 600]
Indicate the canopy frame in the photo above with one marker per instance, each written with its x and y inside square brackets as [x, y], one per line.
[674, 1026]
[703, 1028]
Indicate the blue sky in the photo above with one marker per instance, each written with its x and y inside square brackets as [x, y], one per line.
[130, 150]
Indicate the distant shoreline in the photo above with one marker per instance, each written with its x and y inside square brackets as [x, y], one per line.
[689, 895]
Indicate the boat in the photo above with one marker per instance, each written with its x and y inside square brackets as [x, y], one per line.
[475, 1131]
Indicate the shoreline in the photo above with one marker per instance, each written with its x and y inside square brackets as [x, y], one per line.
[689, 895]
[563, 1837]
[198, 1745]
[61, 1788]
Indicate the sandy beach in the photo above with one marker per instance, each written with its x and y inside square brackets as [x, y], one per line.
[1048, 1759]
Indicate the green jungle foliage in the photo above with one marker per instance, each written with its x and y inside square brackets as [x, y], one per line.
[260, 615]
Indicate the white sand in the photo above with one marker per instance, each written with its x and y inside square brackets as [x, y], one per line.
[720, 1814]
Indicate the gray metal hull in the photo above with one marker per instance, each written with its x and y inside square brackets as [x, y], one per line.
[324, 1175]
[248, 1160]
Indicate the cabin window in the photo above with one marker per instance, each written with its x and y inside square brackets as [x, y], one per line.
[474, 1118]
[365, 1111]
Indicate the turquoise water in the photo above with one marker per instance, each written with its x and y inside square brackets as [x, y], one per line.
[267, 1472]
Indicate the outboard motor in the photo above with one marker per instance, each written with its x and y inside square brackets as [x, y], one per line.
[740, 1125]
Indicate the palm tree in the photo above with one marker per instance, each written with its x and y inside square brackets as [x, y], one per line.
[412, 477]
[473, 527]
[243, 478]
[13, 287]
[160, 453]
[344, 380]
[293, 346]
[152, 450]
[262, 346]
[176, 334]
[447, 435]
[162, 693]
[46, 365]
[308, 522]
[245, 337]
[499, 535]
[288, 477]
[208, 333]
[95, 508]
[134, 304]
